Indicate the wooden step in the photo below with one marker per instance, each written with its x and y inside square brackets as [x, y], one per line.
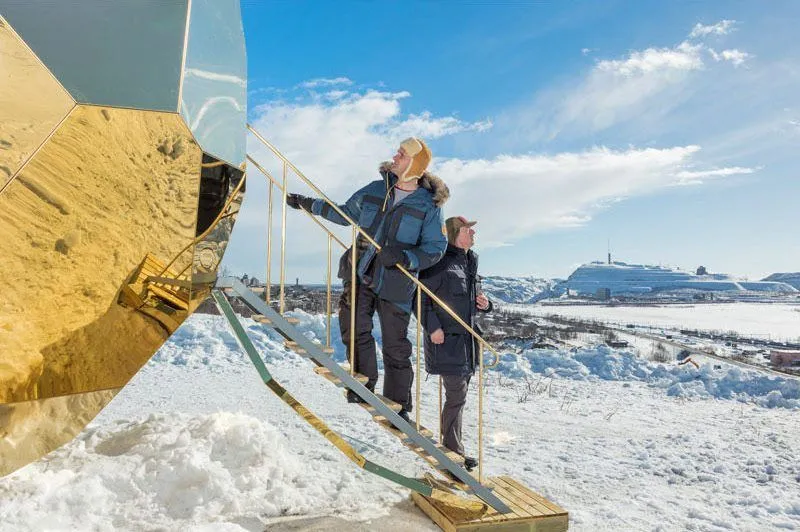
[328, 350]
[294, 346]
[325, 372]
[402, 435]
[260, 318]
[291, 320]
[529, 511]
[396, 407]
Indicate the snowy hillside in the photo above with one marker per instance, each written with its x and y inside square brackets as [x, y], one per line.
[519, 289]
[788, 278]
[623, 278]
[196, 442]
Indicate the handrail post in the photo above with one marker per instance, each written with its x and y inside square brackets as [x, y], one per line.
[283, 243]
[328, 299]
[440, 409]
[353, 305]
[480, 413]
[268, 290]
[419, 352]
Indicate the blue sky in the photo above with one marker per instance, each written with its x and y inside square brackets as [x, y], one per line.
[670, 128]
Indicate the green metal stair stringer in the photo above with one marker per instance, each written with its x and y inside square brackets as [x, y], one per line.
[310, 417]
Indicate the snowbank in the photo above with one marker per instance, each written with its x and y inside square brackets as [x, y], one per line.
[603, 363]
[177, 472]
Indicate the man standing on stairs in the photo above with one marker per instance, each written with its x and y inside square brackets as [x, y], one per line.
[450, 350]
[402, 213]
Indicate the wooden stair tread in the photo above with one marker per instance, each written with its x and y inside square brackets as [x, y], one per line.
[260, 318]
[328, 374]
[396, 407]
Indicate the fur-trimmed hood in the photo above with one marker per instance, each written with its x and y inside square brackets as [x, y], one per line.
[428, 181]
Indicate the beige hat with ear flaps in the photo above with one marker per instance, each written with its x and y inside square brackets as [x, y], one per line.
[420, 158]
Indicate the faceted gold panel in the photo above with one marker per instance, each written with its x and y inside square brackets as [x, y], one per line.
[32, 102]
[31, 429]
[112, 193]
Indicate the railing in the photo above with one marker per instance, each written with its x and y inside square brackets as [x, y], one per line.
[355, 231]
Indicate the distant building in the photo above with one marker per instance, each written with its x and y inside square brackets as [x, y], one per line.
[603, 294]
[784, 359]
[617, 343]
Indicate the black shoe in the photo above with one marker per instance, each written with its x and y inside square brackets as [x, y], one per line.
[404, 414]
[353, 397]
[470, 463]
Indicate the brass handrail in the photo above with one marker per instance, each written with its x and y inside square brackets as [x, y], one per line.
[277, 184]
[372, 241]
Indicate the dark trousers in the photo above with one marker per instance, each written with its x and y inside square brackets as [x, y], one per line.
[398, 375]
[455, 389]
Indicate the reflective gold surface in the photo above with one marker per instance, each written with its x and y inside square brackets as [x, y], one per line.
[32, 102]
[97, 205]
[31, 429]
[109, 187]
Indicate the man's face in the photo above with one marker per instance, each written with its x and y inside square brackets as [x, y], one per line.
[465, 238]
[400, 163]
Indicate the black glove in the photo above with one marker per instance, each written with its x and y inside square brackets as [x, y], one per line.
[298, 201]
[389, 256]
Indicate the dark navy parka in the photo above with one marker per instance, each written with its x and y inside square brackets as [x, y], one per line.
[454, 280]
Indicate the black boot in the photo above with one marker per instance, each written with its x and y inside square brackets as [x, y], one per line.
[470, 463]
[404, 414]
[353, 397]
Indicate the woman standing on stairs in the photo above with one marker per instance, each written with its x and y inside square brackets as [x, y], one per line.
[450, 350]
[402, 213]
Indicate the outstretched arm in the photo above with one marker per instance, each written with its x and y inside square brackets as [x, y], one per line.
[320, 207]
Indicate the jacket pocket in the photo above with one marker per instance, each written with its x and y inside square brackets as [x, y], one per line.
[369, 213]
[409, 226]
[457, 282]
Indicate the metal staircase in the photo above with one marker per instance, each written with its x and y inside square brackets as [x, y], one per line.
[383, 411]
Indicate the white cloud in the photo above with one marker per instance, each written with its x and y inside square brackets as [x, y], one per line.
[324, 82]
[339, 143]
[685, 56]
[641, 86]
[722, 27]
[516, 196]
[587, 51]
[428, 127]
[737, 57]
[697, 177]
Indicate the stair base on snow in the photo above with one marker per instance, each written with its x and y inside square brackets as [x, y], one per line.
[531, 511]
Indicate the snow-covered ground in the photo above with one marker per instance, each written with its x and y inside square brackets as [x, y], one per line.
[196, 442]
[775, 321]
[518, 289]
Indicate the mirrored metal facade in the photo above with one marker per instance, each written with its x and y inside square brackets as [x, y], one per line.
[112, 226]
[108, 52]
[32, 103]
[214, 90]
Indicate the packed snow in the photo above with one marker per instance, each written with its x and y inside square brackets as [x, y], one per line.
[196, 442]
[518, 289]
[767, 321]
[623, 278]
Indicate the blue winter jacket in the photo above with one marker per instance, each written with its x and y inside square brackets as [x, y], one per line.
[415, 224]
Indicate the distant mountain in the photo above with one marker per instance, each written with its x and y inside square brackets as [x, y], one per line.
[623, 278]
[519, 289]
[788, 278]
